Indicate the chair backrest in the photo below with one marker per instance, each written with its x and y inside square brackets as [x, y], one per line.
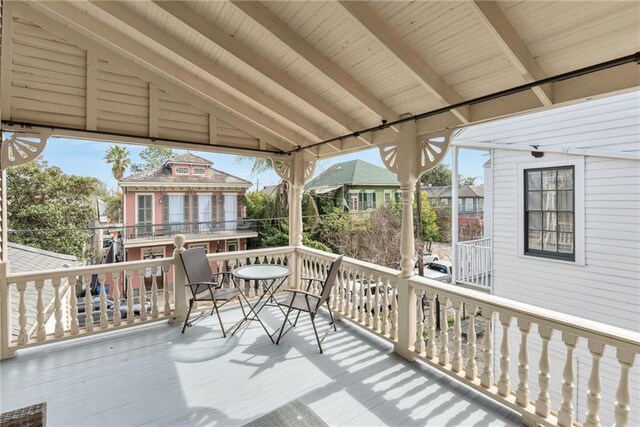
[331, 277]
[196, 265]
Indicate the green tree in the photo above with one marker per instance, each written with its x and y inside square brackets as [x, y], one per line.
[118, 158]
[439, 176]
[46, 207]
[151, 158]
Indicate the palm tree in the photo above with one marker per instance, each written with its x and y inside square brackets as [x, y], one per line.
[118, 158]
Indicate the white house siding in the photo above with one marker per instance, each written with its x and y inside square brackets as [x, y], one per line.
[607, 287]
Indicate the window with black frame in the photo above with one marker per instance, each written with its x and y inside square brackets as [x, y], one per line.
[550, 212]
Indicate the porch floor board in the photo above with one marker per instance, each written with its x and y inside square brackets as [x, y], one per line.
[154, 375]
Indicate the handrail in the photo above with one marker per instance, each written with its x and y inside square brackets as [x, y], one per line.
[352, 261]
[467, 242]
[606, 334]
[88, 269]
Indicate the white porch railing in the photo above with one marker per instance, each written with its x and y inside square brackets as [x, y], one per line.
[474, 262]
[69, 316]
[370, 296]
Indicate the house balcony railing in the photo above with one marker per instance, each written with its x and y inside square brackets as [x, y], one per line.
[377, 299]
[474, 261]
[166, 231]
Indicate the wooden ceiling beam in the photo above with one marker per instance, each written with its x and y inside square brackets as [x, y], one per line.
[258, 62]
[513, 46]
[408, 58]
[211, 67]
[119, 58]
[292, 40]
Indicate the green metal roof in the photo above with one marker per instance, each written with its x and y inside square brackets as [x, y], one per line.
[354, 172]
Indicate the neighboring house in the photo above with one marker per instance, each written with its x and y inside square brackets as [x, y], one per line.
[564, 224]
[184, 195]
[357, 185]
[23, 259]
[470, 199]
[269, 190]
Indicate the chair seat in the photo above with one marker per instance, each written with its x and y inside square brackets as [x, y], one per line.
[218, 294]
[300, 301]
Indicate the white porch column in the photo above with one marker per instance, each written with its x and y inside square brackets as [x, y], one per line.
[295, 170]
[454, 214]
[179, 282]
[409, 156]
[296, 188]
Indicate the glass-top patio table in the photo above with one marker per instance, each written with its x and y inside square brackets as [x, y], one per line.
[272, 277]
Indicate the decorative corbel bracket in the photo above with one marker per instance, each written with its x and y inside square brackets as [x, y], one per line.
[412, 160]
[19, 148]
[286, 169]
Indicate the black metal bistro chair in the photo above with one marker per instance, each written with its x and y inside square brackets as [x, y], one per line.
[310, 303]
[206, 285]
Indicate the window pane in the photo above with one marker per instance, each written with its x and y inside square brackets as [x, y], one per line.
[550, 221]
[533, 180]
[565, 179]
[549, 180]
[565, 222]
[535, 240]
[565, 200]
[535, 220]
[550, 242]
[548, 200]
[534, 203]
[565, 243]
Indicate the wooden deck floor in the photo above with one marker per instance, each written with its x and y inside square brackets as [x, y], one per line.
[154, 375]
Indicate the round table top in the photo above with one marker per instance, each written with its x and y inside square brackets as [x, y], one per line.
[262, 271]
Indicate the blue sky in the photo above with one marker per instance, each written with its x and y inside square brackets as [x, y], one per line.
[85, 158]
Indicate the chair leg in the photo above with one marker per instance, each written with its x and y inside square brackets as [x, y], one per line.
[286, 317]
[215, 307]
[315, 331]
[186, 319]
[295, 322]
[242, 307]
[333, 322]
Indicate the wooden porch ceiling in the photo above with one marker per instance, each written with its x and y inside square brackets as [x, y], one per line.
[274, 76]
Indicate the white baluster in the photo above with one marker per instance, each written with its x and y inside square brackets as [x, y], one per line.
[74, 326]
[566, 415]
[544, 376]
[41, 332]
[57, 307]
[471, 370]
[504, 383]
[622, 410]
[154, 292]
[431, 324]
[394, 313]
[377, 301]
[486, 379]
[456, 360]
[419, 346]
[522, 393]
[142, 295]
[385, 308]
[23, 336]
[344, 292]
[117, 316]
[443, 358]
[354, 294]
[104, 319]
[593, 395]
[165, 289]
[130, 315]
[88, 304]
[362, 298]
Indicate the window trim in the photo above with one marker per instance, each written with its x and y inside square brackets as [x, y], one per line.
[198, 168]
[566, 256]
[578, 208]
[153, 208]
[182, 167]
